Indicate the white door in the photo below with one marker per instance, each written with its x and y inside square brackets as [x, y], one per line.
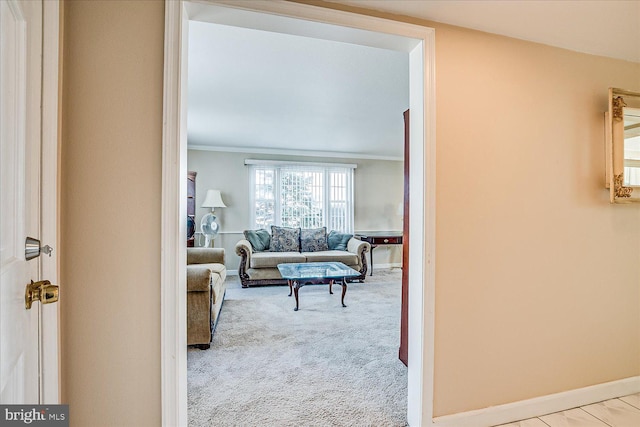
[24, 364]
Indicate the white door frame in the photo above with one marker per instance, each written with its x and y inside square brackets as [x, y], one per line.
[50, 313]
[422, 196]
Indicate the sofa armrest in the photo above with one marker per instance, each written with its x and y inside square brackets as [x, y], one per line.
[198, 278]
[244, 251]
[243, 248]
[357, 246]
[205, 256]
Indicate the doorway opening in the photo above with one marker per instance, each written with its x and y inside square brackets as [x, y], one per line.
[319, 23]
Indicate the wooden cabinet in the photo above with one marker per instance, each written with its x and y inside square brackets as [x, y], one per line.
[191, 208]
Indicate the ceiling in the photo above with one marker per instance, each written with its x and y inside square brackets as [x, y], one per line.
[268, 92]
[608, 28]
[260, 91]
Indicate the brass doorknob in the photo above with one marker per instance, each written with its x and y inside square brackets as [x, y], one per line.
[42, 291]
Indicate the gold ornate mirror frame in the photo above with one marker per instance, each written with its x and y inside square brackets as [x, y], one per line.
[623, 146]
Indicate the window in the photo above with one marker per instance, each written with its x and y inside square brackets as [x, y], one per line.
[305, 195]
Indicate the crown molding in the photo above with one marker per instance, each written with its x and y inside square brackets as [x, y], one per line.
[283, 152]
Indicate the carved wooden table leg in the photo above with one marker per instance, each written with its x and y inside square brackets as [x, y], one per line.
[344, 290]
[296, 286]
[296, 283]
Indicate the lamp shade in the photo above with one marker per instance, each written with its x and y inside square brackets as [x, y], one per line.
[213, 200]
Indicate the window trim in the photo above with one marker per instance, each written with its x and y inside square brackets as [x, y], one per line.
[293, 163]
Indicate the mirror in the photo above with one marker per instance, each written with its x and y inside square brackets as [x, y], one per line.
[623, 146]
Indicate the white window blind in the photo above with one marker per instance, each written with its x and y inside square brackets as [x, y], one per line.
[305, 195]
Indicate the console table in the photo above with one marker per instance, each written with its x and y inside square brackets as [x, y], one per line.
[376, 238]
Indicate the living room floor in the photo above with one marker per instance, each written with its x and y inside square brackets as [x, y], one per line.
[621, 412]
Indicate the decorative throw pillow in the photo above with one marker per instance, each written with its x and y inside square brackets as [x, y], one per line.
[313, 239]
[284, 239]
[259, 239]
[338, 241]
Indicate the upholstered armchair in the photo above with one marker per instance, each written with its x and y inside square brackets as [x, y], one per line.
[206, 287]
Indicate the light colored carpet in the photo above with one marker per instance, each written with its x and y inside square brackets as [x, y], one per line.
[324, 365]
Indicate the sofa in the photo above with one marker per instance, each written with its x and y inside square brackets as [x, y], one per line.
[261, 254]
[206, 274]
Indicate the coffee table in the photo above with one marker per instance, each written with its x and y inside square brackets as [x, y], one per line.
[299, 274]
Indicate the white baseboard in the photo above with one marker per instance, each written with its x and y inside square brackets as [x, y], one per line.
[539, 406]
[232, 272]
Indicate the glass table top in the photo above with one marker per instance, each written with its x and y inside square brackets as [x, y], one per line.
[316, 270]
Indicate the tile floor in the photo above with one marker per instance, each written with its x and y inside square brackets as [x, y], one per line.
[621, 412]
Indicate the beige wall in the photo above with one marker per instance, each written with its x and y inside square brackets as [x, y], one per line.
[110, 204]
[538, 280]
[538, 277]
[378, 183]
